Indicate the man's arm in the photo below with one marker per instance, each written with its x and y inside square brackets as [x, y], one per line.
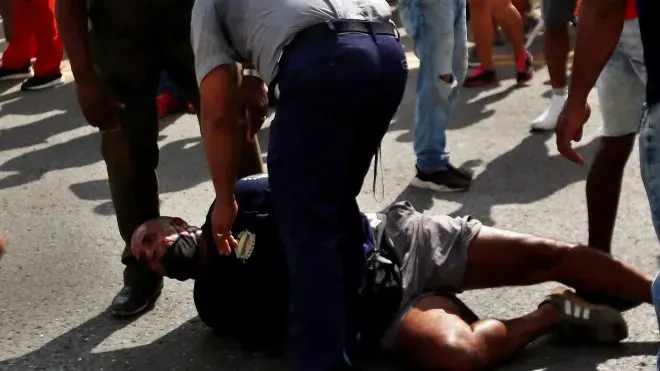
[599, 28]
[217, 75]
[73, 24]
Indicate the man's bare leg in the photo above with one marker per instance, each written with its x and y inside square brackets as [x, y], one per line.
[433, 336]
[604, 188]
[499, 258]
[511, 23]
[482, 30]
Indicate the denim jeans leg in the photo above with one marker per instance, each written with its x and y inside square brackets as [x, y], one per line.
[460, 58]
[649, 160]
[432, 23]
[655, 291]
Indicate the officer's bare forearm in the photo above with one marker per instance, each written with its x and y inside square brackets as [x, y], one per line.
[72, 20]
[220, 118]
[220, 138]
[599, 27]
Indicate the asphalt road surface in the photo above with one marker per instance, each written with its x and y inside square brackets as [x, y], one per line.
[62, 267]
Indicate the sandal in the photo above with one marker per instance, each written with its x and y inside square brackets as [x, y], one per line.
[580, 320]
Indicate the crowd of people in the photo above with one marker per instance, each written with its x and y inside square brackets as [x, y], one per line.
[339, 281]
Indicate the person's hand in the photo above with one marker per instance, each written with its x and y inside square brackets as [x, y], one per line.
[253, 95]
[569, 128]
[98, 104]
[222, 219]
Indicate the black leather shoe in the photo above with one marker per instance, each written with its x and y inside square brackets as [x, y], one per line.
[136, 299]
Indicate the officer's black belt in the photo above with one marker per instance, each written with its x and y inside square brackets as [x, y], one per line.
[343, 26]
[327, 28]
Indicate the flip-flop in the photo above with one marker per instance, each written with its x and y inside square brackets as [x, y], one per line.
[584, 321]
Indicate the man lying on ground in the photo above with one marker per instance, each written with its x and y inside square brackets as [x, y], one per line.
[435, 257]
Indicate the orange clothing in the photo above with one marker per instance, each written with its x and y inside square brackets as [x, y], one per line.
[35, 36]
[631, 9]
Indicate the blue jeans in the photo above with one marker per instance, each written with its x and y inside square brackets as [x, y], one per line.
[655, 290]
[337, 96]
[649, 160]
[439, 33]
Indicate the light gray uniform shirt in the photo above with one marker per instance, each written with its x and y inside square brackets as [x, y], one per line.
[256, 31]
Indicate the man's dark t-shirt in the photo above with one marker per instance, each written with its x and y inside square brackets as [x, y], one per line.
[649, 26]
[247, 298]
[246, 295]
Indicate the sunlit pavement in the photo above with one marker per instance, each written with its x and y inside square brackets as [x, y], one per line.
[62, 268]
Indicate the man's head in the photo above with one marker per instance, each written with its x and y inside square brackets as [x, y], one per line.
[167, 245]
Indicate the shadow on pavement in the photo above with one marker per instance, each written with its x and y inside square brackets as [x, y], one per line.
[60, 103]
[523, 175]
[189, 347]
[182, 166]
[192, 346]
[543, 355]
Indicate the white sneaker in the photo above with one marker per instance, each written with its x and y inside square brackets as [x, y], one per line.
[548, 119]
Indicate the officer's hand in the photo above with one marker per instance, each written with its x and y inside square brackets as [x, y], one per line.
[569, 127]
[253, 95]
[98, 103]
[222, 219]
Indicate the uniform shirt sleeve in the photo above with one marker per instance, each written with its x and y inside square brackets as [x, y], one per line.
[209, 42]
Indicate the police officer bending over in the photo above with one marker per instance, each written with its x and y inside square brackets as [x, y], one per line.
[339, 73]
[408, 302]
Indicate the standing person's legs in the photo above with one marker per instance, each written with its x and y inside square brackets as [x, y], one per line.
[649, 160]
[556, 15]
[178, 62]
[344, 89]
[656, 304]
[621, 92]
[49, 47]
[22, 48]
[511, 23]
[130, 66]
[440, 37]
[482, 30]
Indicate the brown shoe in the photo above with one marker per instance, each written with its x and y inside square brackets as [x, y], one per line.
[584, 321]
